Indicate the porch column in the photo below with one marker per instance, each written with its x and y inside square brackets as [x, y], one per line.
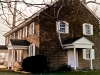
[75, 58]
[8, 58]
[91, 66]
[12, 63]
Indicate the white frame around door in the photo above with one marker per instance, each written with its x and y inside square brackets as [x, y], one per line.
[71, 60]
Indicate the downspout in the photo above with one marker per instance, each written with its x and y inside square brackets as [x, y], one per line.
[59, 37]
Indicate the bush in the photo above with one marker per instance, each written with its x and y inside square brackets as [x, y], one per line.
[64, 68]
[35, 64]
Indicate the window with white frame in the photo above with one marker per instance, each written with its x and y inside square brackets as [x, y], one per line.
[19, 34]
[31, 29]
[62, 26]
[32, 50]
[87, 53]
[87, 29]
[25, 31]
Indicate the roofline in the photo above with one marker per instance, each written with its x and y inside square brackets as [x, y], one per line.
[29, 19]
[90, 11]
[37, 14]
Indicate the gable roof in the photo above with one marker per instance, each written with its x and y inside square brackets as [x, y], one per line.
[3, 47]
[77, 42]
[37, 14]
[19, 42]
[71, 40]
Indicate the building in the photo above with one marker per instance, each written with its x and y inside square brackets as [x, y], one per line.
[66, 32]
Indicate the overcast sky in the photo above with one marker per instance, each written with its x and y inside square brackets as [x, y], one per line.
[5, 28]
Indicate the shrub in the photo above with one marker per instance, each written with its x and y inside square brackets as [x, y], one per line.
[64, 68]
[35, 64]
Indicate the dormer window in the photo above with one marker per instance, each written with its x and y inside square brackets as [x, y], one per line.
[87, 29]
[62, 26]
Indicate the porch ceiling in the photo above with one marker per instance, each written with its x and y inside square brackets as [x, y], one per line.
[78, 42]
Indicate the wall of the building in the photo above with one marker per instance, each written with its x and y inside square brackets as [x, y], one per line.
[49, 43]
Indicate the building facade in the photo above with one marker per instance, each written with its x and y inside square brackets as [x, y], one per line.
[67, 35]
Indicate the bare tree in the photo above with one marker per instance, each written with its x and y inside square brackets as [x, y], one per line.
[12, 12]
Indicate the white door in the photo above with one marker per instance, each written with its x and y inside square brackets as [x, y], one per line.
[71, 58]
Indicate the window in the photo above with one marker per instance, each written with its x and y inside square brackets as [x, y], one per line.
[62, 26]
[31, 29]
[32, 50]
[19, 34]
[25, 31]
[87, 29]
[86, 53]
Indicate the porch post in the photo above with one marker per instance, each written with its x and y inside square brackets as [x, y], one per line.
[12, 63]
[91, 67]
[75, 58]
[8, 58]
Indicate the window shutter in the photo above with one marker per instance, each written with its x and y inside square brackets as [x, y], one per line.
[91, 29]
[33, 49]
[33, 28]
[92, 54]
[14, 35]
[57, 26]
[84, 53]
[20, 33]
[23, 31]
[67, 28]
[26, 31]
[84, 31]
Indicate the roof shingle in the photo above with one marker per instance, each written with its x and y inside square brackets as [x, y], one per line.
[19, 42]
[71, 40]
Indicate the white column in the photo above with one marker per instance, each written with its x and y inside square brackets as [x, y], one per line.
[29, 51]
[75, 58]
[8, 58]
[12, 63]
[91, 66]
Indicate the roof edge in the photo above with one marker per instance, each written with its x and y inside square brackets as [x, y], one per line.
[91, 11]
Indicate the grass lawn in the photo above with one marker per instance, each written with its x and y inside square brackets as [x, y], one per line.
[6, 72]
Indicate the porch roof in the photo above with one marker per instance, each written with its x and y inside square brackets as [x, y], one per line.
[3, 47]
[77, 42]
[18, 44]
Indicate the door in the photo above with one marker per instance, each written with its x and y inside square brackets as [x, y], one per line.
[71, 58]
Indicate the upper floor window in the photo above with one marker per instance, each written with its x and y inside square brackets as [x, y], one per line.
[25, 31]
[62, 26]
[19, 34]
[31, 29]
[87, 29]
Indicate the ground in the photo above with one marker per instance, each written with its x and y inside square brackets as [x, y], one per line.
[7, 72]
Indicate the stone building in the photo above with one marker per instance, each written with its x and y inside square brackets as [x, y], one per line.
[66, 32]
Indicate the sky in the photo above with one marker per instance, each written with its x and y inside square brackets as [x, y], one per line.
[4, 28]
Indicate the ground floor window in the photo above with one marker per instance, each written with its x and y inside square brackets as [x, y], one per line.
[32, 50]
